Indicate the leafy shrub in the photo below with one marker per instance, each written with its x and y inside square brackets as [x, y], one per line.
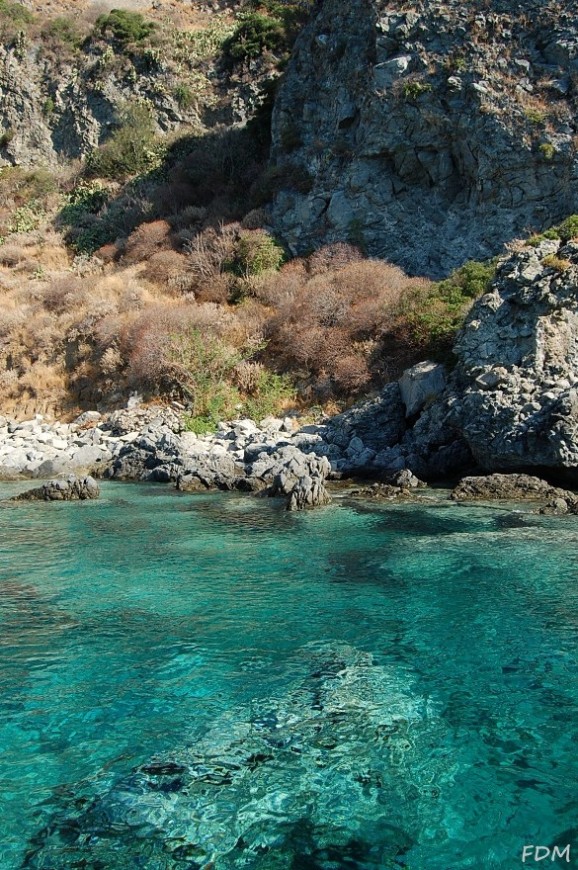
[255, 252]
[124, 26]
[565, 231]
[20, 186]
[254, 34]
[568, 229]
[184, 96]
[547, 150]
[14, 19]
[429, 316]
[132, 149]
[61, 33]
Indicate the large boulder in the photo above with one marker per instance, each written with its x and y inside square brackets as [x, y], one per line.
[516, 487]
[516, 382]
[421, 385]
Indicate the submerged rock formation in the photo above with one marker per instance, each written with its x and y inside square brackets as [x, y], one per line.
[430, 134]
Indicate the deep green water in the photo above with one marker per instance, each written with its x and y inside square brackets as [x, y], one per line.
[189, 679]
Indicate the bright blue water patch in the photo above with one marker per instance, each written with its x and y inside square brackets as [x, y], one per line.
[187, 679]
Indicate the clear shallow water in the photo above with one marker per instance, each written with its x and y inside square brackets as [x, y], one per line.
[189, 679]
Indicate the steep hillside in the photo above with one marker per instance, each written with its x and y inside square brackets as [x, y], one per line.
[153, 239]
[65, 80]
[430, 133]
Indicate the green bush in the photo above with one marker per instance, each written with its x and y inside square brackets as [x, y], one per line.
[256, 252]
[271, 393]
[132, 149]
[124, 26]
[62, 32]
[429, 317]
[184, 96]
[568, 229]
[15, 13]
[254, 34]
[565, 231]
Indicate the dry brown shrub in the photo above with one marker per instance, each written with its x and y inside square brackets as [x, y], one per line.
[111, 361]
[145, 241]
[255, 219]
[64, 293]
[41, 379]
[333, 256]
[351, 373]
[279, 289]
[321, 319]
[209, 252]
[216, 289]
[12, 255]
[169, 269]
[247, 376]
[107, 253]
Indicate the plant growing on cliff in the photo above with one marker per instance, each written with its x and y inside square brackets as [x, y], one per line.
[133, 147]
[265, 25]
[429, 316]
[14, 19]
[254, 34]
[124, 26]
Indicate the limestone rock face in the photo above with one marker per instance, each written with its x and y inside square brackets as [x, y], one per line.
[517, 375]
[430, 135]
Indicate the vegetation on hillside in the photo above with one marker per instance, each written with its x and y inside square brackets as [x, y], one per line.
[152, 266]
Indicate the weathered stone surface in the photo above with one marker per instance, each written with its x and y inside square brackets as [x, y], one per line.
[515, 487]
[427, 160]
[70, 489]
[421, 385]
[516, 382]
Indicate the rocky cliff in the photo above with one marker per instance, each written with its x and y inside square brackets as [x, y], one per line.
[512, 399]
[430, 133]
[64, 82]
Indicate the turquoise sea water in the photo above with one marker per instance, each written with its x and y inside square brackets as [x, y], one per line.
[209, 681]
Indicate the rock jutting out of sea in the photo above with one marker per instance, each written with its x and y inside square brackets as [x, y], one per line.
[68, 489]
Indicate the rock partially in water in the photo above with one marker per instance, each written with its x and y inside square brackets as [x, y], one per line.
[70, 489]
[308, 492]
[516, 487]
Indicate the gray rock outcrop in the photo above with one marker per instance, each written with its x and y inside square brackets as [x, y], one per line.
[430, 135]
[517, 375]
[516, 487]
[70, 489]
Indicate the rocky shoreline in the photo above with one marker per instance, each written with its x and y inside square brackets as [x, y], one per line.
[510, 404]
[275, 458]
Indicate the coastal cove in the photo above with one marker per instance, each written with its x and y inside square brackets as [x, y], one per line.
[196, 678]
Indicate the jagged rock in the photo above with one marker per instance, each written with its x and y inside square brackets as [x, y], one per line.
[515, 487]
[516, 381]
[71, 489]
[308, 492]
[380, 135]
[421, 385]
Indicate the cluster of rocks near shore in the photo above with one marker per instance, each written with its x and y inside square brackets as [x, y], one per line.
[510, 404]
